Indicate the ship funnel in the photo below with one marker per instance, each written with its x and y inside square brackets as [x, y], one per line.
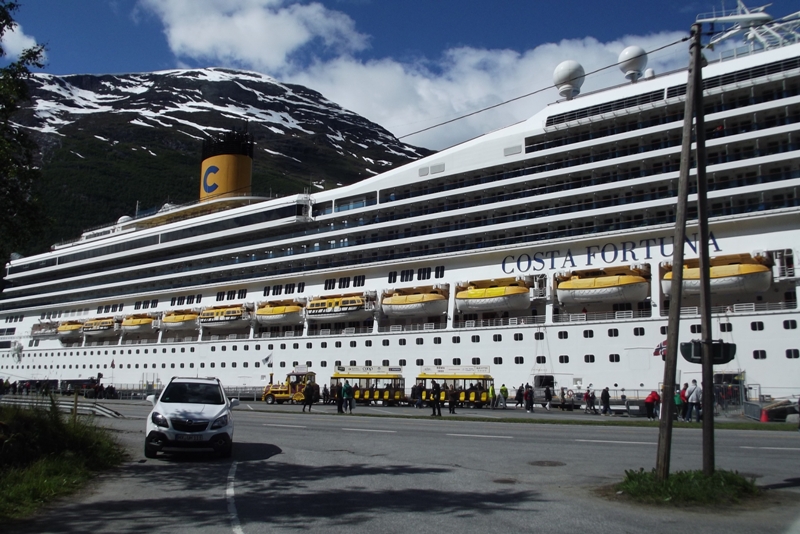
[227, 166]
[632, 62]
[568, 78]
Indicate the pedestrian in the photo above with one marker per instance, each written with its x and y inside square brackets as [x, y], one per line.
[420, 389]
[548, 398]
[492, 396]
[520, 397]
[562, 399]
[308, 396]
[649, 405]
[347, 396]
[684, 402]
[326, 395]
[693, 400]
[414, 395]
[528, 398]
[586, 396]
[337, 393]
[452, 399]
[503, 398]
[593, 403]
[678, 403]
[605, 401]
[434, 399]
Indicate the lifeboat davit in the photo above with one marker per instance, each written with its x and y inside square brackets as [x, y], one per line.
[414, 304]
[179, 320]
[275, 313]
[69, 329]
[352, 308]
[604, 288]
[102, 326]
[226, 317]
[724, 279]
[497, 298]
[137, 323]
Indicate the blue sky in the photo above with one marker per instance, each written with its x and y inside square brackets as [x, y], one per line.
[404, 64]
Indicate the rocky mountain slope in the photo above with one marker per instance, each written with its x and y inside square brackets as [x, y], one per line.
[111, 142]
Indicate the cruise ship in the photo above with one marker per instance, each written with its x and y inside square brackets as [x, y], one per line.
[541, 251]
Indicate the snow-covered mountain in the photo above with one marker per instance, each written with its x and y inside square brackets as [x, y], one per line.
[109, 141]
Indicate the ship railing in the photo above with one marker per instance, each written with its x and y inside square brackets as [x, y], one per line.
[742, 307]
[145, 341]
[340, 331]
[225, 337]
[505, 321]
[600, 316]
[186, 339]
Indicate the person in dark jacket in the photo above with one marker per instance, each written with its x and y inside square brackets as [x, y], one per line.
[434, 399]
[520, 396]
[348, 396]
[452, 399]
[548, 398]
[339, 400]
[605, 402]
[308, 396]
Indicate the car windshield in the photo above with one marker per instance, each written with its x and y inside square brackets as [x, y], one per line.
[192, 393]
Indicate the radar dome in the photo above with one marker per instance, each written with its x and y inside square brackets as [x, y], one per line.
[568, 78]
[124, 219]
[632, 62]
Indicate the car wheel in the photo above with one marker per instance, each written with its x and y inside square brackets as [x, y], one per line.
[226, 451]
[150, 451]
[270, 399]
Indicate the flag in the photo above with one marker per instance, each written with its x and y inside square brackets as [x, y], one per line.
[661, 349]
[267, 360]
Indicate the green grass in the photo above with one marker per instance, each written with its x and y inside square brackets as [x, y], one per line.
[687, 488]
[44, 456]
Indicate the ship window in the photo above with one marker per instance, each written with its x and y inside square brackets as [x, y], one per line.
[137, 305]
[437, 341]
[695, 328]
[519, 360]
[352, 344]
[663, 330]
[323, 363]
[224, 348]
[456, 339]
[106, 308]
[437, 361]
[392, 277]
[759, 355]
[191, 366]
[282, 364]
[190, 299]
[359, 281]
[419, 341]
[756, 326]
[402, 363]
[213, 349]
[638, 331]
[476, 361]
[613, 332]
[439, 272]
[792, 354]
[475, 339]
[330, 283]
[181, 301]
[588, 333]
[338, 345]
[113, 308]
[497, 337]
[588, 358]
[277, 290]
[407, 275]
[242, 294]
[385, 342]
[191, 349]
[344, 282]
[337, 363]
[456, 361]
[220, 296]
[563, 334]
[221, 364]
[725, 327]
[420, 362]
[498, 360]
[790, 324]
[288, 289]
[173, 350]
[424, 273]
[199, 298]
[402, 341]
[212, 364]
[352, 363]
[308, 364]
[172, 301]
[294, 346]
[245, 364]
[231, 294]
[538, 336]
[563, 358]
[613, 358]
[301, 286]
[99, 310]
[309, 345]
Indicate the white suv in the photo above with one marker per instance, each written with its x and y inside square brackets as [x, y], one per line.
[191, 413]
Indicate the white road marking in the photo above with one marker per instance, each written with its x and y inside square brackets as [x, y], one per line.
[229, 496]
[370, 430]
[772, 448]
[621, 442]
[285, 426]
[383, 411]
[479, 436]
[249, 406]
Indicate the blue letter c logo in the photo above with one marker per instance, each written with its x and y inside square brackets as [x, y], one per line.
[213, 187]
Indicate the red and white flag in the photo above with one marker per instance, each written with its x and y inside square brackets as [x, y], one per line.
[661, 349]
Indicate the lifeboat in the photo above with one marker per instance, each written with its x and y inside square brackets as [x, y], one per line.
[44, 330]
[351, 308]
[69, 329]
[493, 295]
[278, 313]
[740, 274]
[413, 303]
[603, 288]
[179, 320]
[101, 326]
[137, 323]
[226, 317]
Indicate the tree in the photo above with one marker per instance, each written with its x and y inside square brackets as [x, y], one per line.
[20, 215]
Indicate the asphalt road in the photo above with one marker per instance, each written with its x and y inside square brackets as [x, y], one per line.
[323, 472]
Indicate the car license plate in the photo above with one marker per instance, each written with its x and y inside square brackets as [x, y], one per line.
[188, 437]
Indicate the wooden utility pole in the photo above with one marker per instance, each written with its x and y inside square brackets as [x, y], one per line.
[676, 293]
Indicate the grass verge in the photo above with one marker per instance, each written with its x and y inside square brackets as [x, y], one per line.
[687, 488]
[44, 456]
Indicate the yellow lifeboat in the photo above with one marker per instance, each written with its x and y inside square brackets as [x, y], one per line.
[349, 307]
[740, 273]
[179, 320]
[281, 312]
[137, 323]
[100, 326]
[69, 329]
[415, 302]
[603, 286]
[493, 295]
[225, 317]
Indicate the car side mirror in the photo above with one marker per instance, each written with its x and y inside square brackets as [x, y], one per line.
[234, 402]
[151, 399]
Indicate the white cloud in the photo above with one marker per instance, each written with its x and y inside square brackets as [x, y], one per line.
[15, 41]
[267, 35]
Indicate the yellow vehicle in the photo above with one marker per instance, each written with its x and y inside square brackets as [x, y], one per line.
[372, 384]
[290, 390]
[471, 383]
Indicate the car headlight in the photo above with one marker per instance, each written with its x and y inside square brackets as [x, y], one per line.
[159, 420]
[220, 422]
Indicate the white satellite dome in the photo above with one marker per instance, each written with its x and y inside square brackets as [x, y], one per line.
[568, 78]
[632, 62]
[124, 219]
